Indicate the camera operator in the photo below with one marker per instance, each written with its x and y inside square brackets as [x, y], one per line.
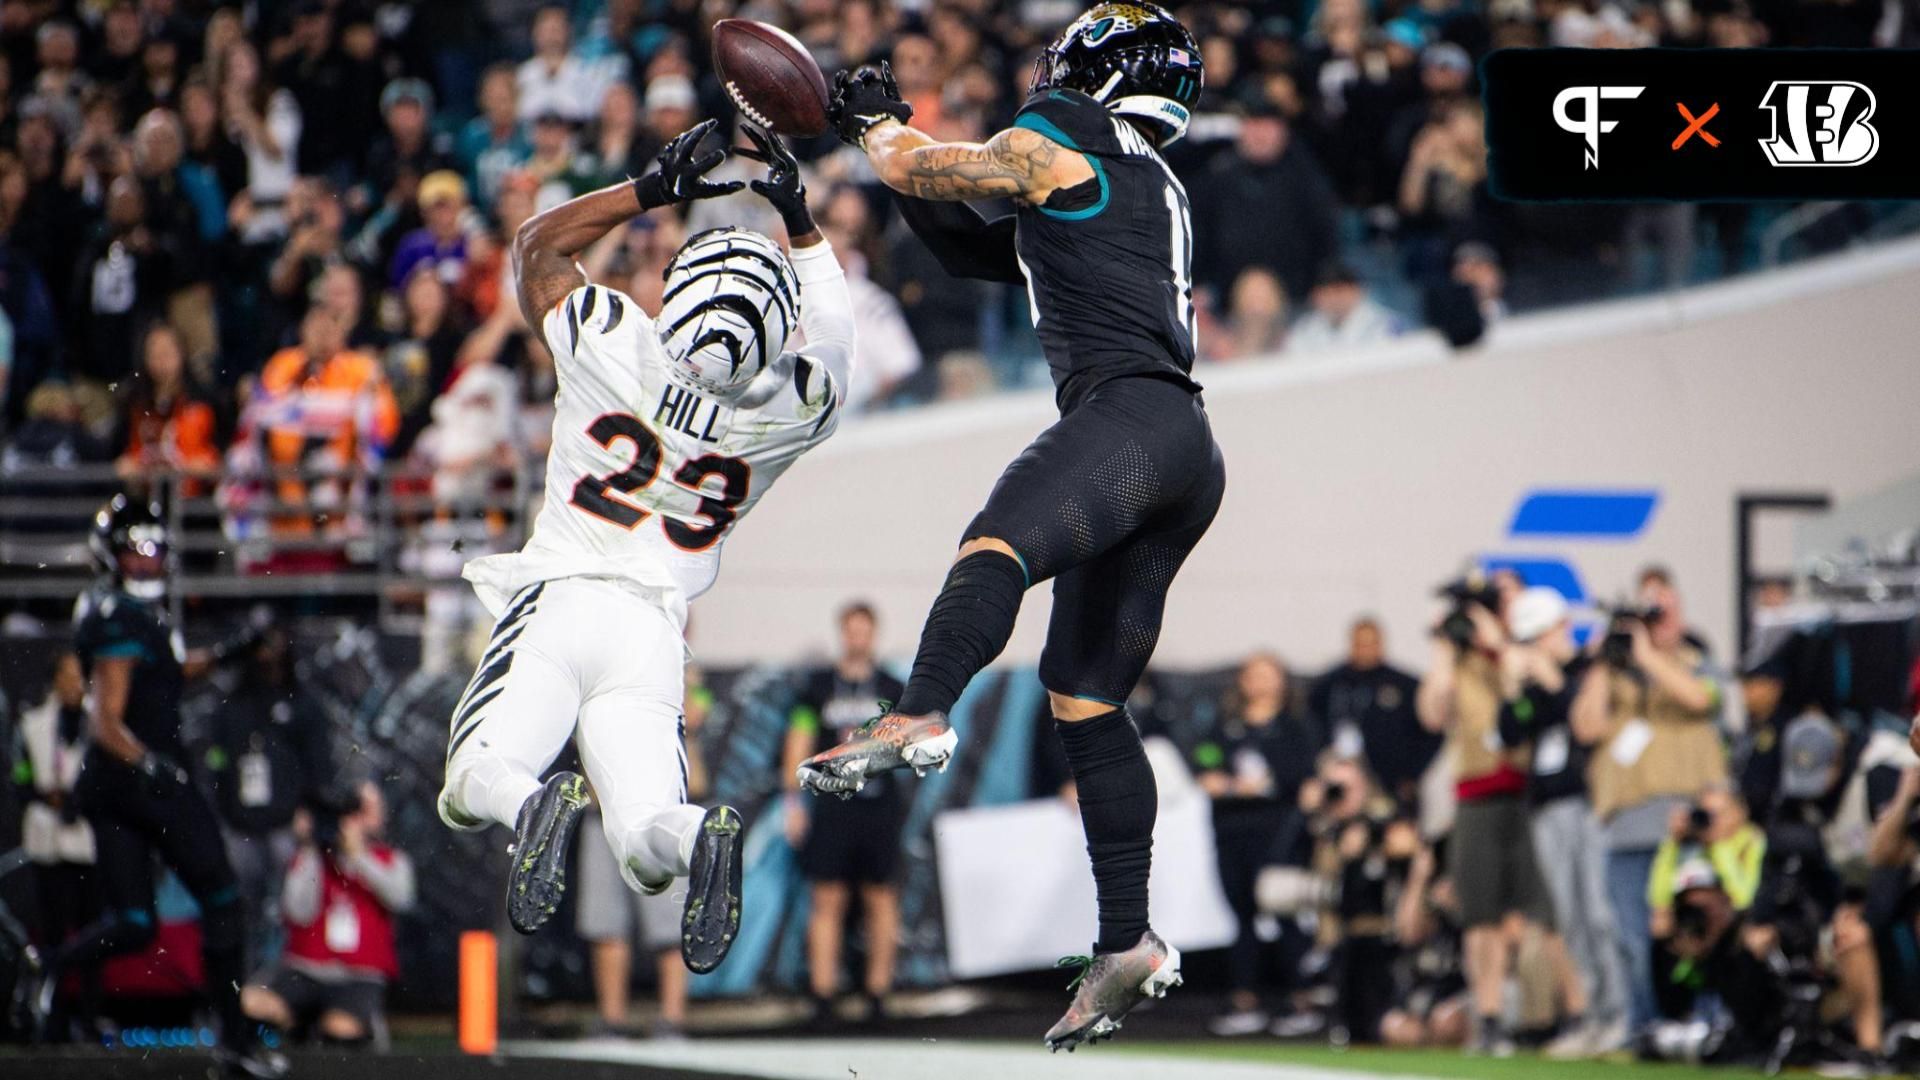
[1539, 670]
[1491, 851]
[1763, 931]
[1647, 705]
[1714, 828]
[1431, 1006]
[1362, 854]
[340, 898]
[132, 788]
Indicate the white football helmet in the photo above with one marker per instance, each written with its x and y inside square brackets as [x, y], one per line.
[731, 302]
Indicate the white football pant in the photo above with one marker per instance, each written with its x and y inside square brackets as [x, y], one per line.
[595, 660]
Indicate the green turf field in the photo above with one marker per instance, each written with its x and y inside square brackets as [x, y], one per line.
[1437, 1064]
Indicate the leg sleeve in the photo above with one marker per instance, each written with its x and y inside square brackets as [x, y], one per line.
[519, 710]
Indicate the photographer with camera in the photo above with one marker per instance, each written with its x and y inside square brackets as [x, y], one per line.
[1715, 828]
[1540, 667]
[1769, 932]
[1647, 705]
[342, 892]
[1431, 1004]
[1492, 856]
[1361, 855]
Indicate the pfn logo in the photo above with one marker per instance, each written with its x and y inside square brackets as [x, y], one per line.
[1588, 125]
[1820, 124]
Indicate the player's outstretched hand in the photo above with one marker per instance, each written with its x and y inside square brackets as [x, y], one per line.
[783, 188]
[681, 174]
[861, 100]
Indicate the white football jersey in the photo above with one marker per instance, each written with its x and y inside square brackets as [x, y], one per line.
[647, 477]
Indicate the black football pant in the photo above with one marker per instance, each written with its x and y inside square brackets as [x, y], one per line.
[130, 826]
[1108, 502]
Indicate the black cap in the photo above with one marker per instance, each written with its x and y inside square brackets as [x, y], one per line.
[1259, 106]
[1336, 272]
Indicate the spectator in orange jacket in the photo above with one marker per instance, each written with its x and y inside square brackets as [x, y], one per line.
[319, 408]
[166, 423]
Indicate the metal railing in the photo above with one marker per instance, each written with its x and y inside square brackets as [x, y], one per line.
[385, 539]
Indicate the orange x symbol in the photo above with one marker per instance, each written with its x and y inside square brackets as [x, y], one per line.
[1697, 125]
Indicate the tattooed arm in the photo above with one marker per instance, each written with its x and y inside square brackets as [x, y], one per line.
[1016, 163]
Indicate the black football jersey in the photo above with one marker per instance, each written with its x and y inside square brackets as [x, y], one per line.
[1109, 262]
[109, 624]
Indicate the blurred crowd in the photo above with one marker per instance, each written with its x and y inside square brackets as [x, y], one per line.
[321, 888]
[271, 235]
[1626, 844]
[1583, 831]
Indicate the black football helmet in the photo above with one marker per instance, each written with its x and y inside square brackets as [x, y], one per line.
[129, 542]
[1135, 59]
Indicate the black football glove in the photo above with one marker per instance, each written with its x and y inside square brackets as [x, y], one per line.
[782, 188]
[681, 173]
[165, 777]
[864, 99]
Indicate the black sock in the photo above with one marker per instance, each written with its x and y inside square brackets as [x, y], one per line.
[968, 626]
[223, 929]
[1118, 804]
[226, 971]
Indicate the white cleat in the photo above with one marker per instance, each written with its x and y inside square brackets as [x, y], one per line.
[891, 741]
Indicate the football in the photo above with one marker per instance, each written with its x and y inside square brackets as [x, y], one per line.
[770, 77]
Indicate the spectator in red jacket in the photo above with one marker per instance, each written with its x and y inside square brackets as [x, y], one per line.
[339, 902]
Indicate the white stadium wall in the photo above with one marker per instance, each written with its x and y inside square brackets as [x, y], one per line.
[1357, 482]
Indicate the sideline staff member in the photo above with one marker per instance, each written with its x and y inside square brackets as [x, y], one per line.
[847, 844]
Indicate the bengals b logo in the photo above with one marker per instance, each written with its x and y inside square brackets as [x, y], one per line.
[1820, 124]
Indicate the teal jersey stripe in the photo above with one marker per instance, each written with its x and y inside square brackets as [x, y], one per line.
[1036, 122]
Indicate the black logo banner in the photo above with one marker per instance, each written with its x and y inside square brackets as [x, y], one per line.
[1703, 124]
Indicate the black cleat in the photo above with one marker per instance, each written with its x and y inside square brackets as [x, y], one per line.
[712, 917]
[542, 838]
